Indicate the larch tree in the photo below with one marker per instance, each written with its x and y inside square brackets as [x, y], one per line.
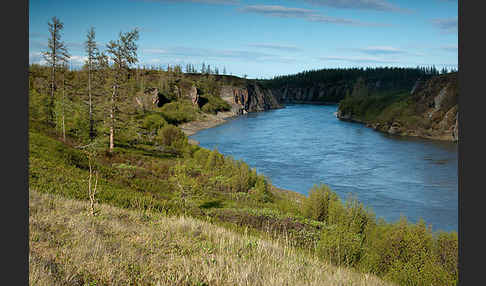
[123, 53]
[91, 51]
[55, 55]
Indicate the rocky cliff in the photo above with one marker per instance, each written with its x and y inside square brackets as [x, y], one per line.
[429, 110]
[250, 97]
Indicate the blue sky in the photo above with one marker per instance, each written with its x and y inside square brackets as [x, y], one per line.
[260, 39]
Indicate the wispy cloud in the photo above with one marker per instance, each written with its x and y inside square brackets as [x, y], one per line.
[306, 14]
[386, 50]
[223, 2]
[359, 59]
[381, 50]
[377, 5]
[275, 47]
[204, 54]
[446, 25]
[450, 48]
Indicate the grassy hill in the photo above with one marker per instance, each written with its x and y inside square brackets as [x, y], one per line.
[134, 247]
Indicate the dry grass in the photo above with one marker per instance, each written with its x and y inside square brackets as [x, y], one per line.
[122, 247]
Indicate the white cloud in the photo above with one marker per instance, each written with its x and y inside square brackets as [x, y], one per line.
[377, 5]
[306, 14]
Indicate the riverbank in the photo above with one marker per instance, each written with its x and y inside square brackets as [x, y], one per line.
[208, 121]
[429, 110]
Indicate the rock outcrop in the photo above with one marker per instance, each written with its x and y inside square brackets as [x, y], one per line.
[432, 111]
[249, 98]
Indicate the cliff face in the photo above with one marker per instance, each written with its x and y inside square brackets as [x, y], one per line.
[249, 98]
[429, 111]
[317, 94]
[332, 93]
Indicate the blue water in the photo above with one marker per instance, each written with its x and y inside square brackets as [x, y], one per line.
[302, 145]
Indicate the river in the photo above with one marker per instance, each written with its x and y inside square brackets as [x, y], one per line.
[302, 145]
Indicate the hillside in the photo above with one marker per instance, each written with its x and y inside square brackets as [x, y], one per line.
[330, 86]
[133, 247]
[428, 110]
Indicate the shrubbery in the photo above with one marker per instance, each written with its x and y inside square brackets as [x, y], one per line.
[153, 122]
[215, 104]
[179, 112]
[316, 206]
[406, 253]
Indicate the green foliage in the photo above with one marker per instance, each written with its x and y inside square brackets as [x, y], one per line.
[316, 206]
[262, 190]
[179, 112]
[340, 245]
[153, 122]
[38, 106]
[404, 253]
[171, 136]
[214, 104]
[214, 161]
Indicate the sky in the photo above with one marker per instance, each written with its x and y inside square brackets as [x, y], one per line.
[260, 39]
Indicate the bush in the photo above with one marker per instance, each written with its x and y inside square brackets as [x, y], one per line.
[179, 112]
[153, 122]
[172, 136]
[262, 190]
[316, 206]
[214, 104]
[404, 253]
[340, 245]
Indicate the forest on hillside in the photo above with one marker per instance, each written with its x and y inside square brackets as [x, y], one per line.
[402, 75]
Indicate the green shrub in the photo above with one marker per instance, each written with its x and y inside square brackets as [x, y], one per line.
[340, 245]
[179, 112]
[214, 104]
[316, 205]
[172, 136]
[38, 106]
[446, 250]
[153, 122]
[262, 190]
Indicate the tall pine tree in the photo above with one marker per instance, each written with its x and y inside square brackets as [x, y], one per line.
[123, 53]
[55, 55]
[91, 50]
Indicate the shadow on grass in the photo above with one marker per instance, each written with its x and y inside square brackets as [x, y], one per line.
[212, 204]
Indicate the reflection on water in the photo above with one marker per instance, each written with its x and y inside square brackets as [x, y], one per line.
[302, 145]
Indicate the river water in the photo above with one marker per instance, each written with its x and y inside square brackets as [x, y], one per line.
[302, 145]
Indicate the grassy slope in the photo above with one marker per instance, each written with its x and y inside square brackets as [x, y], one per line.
[129, 247]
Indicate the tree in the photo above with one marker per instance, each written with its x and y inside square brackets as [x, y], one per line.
[55, 54]
[91, 50]
[123, 53]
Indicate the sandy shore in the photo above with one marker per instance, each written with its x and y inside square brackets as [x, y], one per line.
[208, 121]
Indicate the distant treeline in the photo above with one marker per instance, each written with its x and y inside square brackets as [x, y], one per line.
[323, 76]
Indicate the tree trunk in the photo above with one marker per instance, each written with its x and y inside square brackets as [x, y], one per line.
[91, 128]
[63, 102]
[112, 120]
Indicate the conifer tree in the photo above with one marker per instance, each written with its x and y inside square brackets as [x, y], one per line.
[123, 53]
[55, 54]
[91, 50]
